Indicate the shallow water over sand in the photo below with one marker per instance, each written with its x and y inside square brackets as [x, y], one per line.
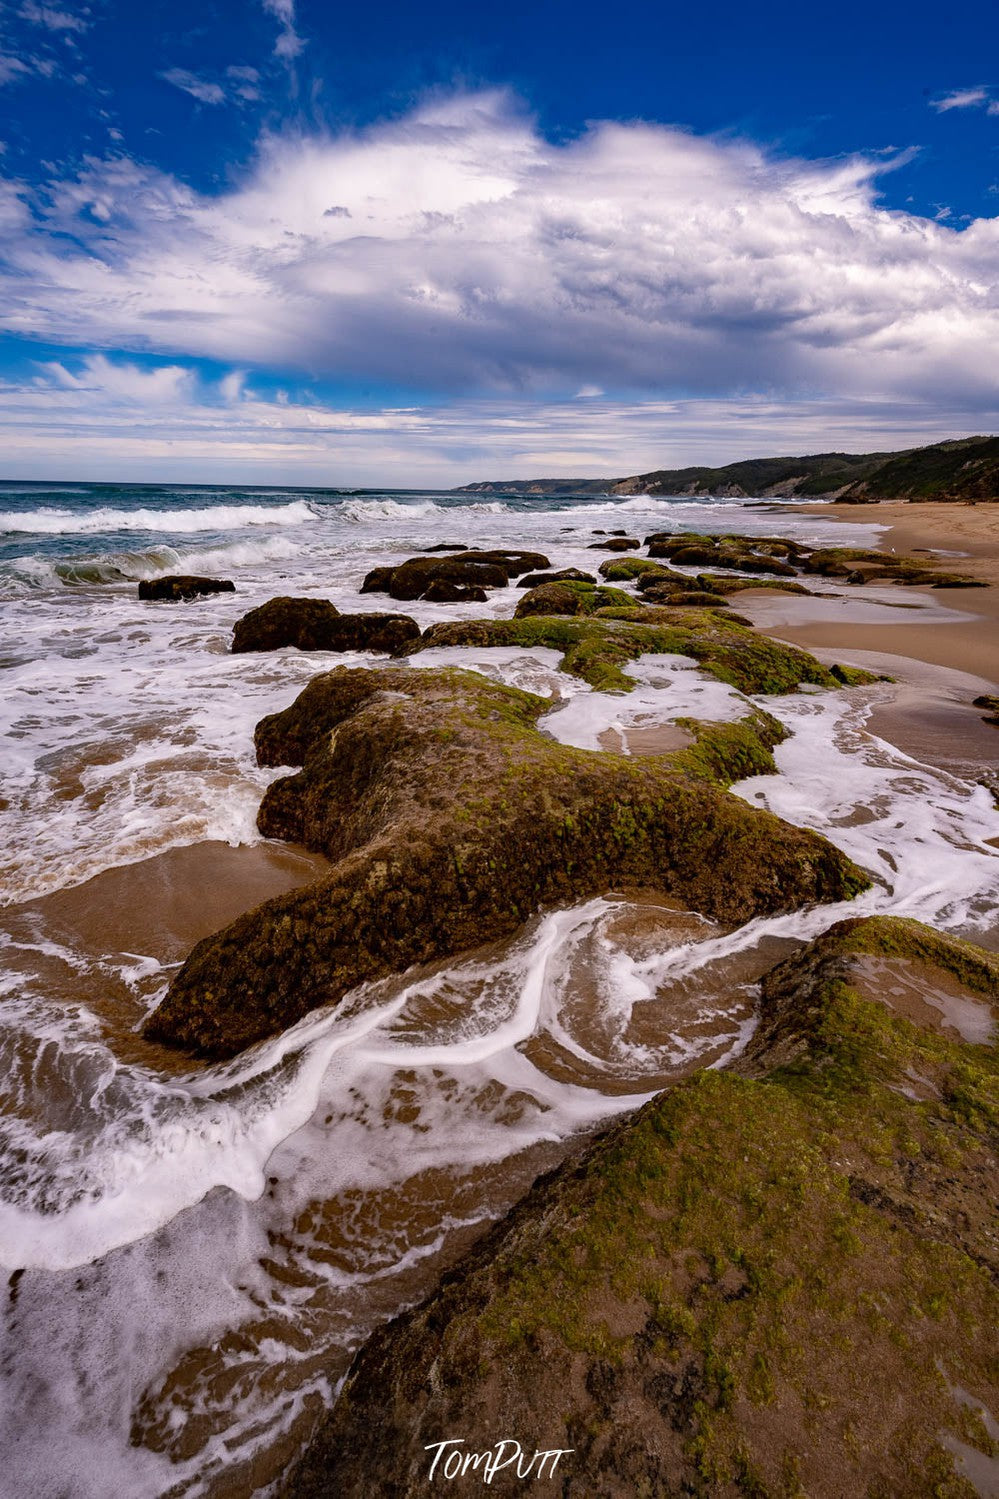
[193, 1253]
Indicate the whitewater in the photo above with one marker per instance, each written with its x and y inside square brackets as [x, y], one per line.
[193, 1253]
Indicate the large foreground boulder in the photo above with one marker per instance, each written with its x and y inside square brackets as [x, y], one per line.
[450, 819]
[773, 1280]
[317, 625]
[177, 588]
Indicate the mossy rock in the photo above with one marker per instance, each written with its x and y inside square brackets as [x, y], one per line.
[569, 597]
[775, 1280]
[597, 649]
[449, 819]
[627, 569]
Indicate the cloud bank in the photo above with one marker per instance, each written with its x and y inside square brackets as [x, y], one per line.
[115, 419]
[456, 249]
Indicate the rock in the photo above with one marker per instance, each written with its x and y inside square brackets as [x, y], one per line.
[447, 546]
[787, 1267]
[450, 819]
[179, 587]
[992, 704]
[686, 598]
[597, 648]
[441, 591]
[317, 625]
[566, 575]
[616, 544]
[570, 598]
[627, 569]
[411, 579]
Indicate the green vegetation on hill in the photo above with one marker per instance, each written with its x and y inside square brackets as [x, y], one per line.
[967, 470]
[964, 469]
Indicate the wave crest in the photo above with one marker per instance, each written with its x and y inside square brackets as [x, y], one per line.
[50, 521]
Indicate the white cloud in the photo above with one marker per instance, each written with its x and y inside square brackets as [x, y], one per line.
[198, 88]
[51, 18]
[289, 44]
[468, 253]
[962, 98]
[110, 419]
[12, 67]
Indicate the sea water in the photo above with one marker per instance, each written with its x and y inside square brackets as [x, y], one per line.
[192, 1253]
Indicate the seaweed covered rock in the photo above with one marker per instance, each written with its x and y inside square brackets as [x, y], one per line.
[449, 820]
[615, 544]
[628, 569]
[858, 565]
[776, 1279]
[564, 575]
[317, 625]
[599, 647]
[177, 588]
[470, 569]
[570, 597]
[743, 553]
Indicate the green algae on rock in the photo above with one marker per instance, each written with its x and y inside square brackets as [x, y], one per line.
[569, 596]
[599, 647]
[774, 1280]
[450, 819]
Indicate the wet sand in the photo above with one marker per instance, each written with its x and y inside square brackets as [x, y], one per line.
[162, 906]
[966, 540]
[941, 645]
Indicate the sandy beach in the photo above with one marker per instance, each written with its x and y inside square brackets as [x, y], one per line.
[963, 536]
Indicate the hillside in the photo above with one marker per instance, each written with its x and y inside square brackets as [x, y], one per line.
[965, 469]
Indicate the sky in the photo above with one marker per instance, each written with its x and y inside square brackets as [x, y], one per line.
[287, 241]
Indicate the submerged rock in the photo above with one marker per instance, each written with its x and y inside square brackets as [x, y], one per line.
[317, 625]
[774, 1279]
[450, 819]
[179, 587]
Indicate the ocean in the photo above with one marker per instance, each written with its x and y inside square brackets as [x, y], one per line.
[193, 1252]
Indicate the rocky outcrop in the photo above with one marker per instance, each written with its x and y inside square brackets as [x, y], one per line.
[177, 588]
[411, 579]
[597, 648]
[450, 819]
[777, 1279]
[746, 554]
[317, 625]
[615, 544]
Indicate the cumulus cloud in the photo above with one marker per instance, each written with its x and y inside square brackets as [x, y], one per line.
[962, 98]
[467, 253]
[289, 44]
[116, 419]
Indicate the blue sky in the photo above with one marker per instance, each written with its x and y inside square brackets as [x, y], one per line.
[303, 242]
